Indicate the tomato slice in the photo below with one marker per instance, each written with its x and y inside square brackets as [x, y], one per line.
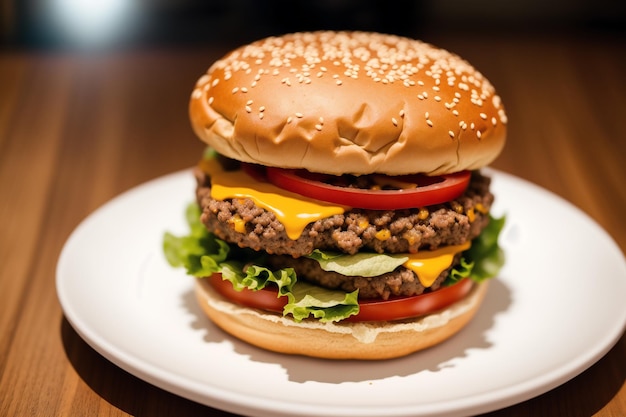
[265, 299]
[255, 171]
[418, 305]
[429, 190]
[369, 310]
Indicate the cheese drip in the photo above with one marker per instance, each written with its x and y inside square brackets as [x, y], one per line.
[294, 211]
[428, 265]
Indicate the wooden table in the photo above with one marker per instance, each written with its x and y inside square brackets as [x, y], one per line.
[78, 129]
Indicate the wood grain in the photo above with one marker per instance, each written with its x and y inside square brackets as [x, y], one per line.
[77, 129]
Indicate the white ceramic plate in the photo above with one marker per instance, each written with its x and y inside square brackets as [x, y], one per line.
[557, 307]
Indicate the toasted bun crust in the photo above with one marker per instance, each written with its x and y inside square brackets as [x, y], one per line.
[377, 103]
[380, 340]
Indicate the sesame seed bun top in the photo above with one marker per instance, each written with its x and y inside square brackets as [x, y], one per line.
[349, 102]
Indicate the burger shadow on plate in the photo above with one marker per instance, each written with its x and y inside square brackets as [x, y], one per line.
[303, 369]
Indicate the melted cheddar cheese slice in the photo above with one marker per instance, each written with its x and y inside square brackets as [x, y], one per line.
[428, 265]
[294, 211]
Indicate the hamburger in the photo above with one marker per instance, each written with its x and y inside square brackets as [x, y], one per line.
[340, 210]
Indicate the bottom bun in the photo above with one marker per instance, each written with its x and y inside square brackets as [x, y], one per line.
[343, 340]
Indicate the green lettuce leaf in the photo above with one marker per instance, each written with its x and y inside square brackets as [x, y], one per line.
[323, 304]
[361, 264]
[256, 277]
[304, 299]
[460, 271]
[202, 254]
[485, 257]
[190, 251]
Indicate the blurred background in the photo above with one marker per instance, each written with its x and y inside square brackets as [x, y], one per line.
[88, 24]
[93, 101]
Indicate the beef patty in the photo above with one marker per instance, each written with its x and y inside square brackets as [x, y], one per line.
[399, 282]
[407, 230]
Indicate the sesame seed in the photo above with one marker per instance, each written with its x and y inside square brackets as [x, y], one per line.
[262, 109]
[472, 126]
[196, 94]
[451, 133]
[401, 113]
[394, 121]
[289, 119]
[203, 80]
[455, 112]
[478, 134]
[234, 90]
[244, 90]
[318, 127]
[339, 82]
[249, 109]
[483, 116]
[503, 118]
[427, 115]
[299, 115]
[211, 100]
[429, 122]
[249, 102]
[260, 115]
[421, 97]
[321, 119]
[319, 74]
[253, 84]
[494, 121]
[437, 98]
